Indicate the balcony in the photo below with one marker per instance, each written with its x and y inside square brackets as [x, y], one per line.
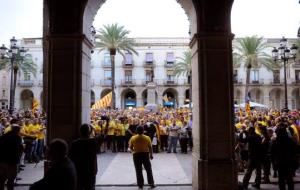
[295, 81]
[106, 64]
[237, 81]
[257, 82]
[105, 82]
[25, 83]
[275, 82]
[170, 82]
[128, 82]
[169, 64]
[149, 64]
[127, 65]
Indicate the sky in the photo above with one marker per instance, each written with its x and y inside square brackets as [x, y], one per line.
[143, 18]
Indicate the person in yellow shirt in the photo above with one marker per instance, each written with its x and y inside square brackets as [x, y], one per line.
[163, 135]
[141, 147]
[111, 138]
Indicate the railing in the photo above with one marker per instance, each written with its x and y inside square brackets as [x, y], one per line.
[295, 81]
[149, 64]
[128, 65]
[257, 82]
[128, 82]
[105, 82]
[25, 83]
[237, 81]
[170, 82]
[169, 64]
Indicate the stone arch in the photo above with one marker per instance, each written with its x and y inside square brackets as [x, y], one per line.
[26, 99]
[93, 6]
[172, 95]
[105, 92]
[128, 98]
[276, 98]
[296, 98]
[211, 44]
[256, 95]
[93, 98]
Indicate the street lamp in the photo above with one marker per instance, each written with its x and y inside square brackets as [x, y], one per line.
[283, 53]
[14, 54]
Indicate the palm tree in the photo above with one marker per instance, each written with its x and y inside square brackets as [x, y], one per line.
[184, 67]
[24, 64]
[251, 50]
[114, 39]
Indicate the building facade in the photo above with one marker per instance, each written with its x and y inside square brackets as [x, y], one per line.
[155, 64]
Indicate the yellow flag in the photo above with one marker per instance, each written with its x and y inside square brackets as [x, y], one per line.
[103, 102]
[35, 104]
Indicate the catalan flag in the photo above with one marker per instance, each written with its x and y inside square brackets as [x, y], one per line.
[35, 104]
[247, 108]
[103, 102]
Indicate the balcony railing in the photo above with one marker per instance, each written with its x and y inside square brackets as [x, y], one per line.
[169, 64]
[170, 82]
[25, 83]
[257, 82]
[128, 65]
[149, 64]
[296, 81]
[128, 82]
[237, 81]
[105, 82]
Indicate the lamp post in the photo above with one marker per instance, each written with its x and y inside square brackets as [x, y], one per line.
[283, 53]
[14, 54]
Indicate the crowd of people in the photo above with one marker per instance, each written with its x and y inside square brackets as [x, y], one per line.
[165, 128]
[265, 140]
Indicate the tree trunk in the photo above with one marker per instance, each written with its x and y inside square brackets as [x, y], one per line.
[112, 58]
[247, 83]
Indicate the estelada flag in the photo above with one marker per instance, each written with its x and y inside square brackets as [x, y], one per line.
[103, 102]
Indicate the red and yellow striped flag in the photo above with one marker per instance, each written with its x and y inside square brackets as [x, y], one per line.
[35, 104]
[247, 108]
[103, 102]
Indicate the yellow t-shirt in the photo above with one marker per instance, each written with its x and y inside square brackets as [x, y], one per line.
[140, 143]
[111, 128]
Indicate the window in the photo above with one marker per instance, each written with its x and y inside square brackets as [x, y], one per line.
[26, 76]
[170, 58]
[276, 76]
[128, 75]
[235, 76]
[149, 58]
[107, 59]
[107, 74]
[4, 81]
[128, 59]
[149, 77]
[3, 93]
[254, 76]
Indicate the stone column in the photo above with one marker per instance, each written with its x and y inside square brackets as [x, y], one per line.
[151, 97]
[66, 69]
[213, 133]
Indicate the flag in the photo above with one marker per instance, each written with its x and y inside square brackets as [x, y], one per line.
[247, 108]
[103, 102]
[35, 104]
[165, 98]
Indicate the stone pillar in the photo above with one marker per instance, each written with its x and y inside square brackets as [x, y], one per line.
[181, 101]
[66, 69]
[151, 97]
[213, 133]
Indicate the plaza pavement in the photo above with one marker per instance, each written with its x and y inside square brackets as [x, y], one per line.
[116, 172]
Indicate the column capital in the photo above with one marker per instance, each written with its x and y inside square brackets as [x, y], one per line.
[210, 36]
